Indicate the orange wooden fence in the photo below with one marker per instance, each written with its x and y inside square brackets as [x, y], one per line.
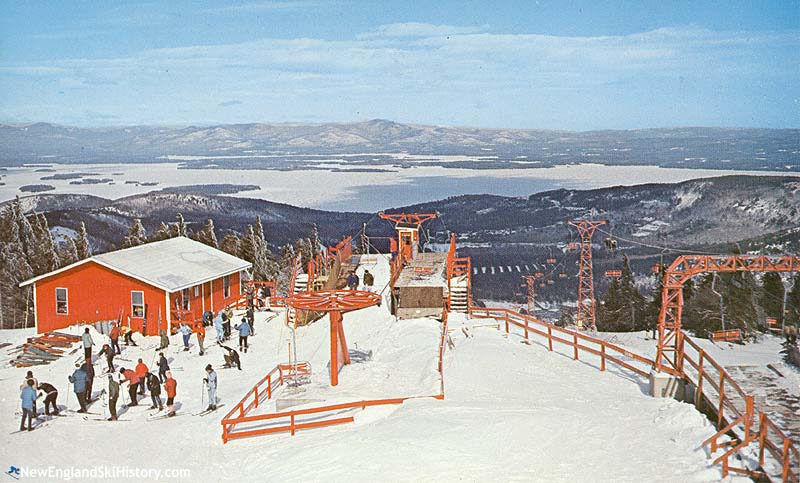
[607, 351]
[736, 415]
[277, 422]
[735, 409]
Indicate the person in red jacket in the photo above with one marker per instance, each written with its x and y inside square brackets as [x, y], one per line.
[141, 372]
[200, 330]
[133, 384]
[114, 336]
[171, 385]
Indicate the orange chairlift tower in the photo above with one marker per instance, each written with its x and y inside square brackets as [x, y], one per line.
[670, 343]
[336, 303]
[585, 312]
[407, 226]
[530, 280]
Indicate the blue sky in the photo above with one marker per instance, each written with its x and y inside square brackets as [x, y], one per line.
[528, 64]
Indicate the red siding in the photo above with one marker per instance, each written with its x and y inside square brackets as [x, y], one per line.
[95, 293]
[219, 300]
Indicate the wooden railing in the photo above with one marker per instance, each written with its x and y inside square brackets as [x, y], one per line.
[735, 412]
[607, 351]
[714, 389]
[267, 386]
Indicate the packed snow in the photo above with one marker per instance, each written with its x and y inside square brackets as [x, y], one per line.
[512, 412]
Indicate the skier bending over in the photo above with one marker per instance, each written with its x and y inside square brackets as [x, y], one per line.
[211, 382]
[109, 353]
[231, 358]
[51, 394]
[133, 384]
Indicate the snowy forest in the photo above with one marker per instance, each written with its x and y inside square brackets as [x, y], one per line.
[30, 249]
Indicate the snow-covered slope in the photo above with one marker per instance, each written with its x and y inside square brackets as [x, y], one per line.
[512, 412]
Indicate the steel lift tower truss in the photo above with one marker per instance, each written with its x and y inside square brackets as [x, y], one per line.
[670, 342]
[585, 314]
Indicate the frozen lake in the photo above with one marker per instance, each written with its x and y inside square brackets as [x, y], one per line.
[347, 191]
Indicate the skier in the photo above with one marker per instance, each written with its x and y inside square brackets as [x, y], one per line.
[109, 353]
[133, 384]
[251, 318]
[114, 337]
[127, 334]
[88, 368]
[141, 372]
[208, 318]
[51, 394]
[352, 280]
[201, 335]
[28, 396]
[113, 395]
[227, 315]
[78, 379]
[164, 340]
[211, 381]
[231, 358]
[29, 377]
[154, 386]
[244, 331]
[219, 328]
[171, 387]
[87, 344]
[369, 280]
[185, 331]
[163, 367]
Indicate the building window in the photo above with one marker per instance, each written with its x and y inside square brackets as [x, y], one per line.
[185, 297]
[137, 304]
[197, 290]
[62, 306]
[226, 286]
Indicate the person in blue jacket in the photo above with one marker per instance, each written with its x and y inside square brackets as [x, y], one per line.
[78, 379]
[244, 332]
[28, 397]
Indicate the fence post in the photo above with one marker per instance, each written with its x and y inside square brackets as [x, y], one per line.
[698, 398]
[602, 357]
[269, 386]
[526, 327]
[506, 322]
[748, 416]
[255, 393]
[785, 473]
[550, 338]
[291, 424]
[721, 406]
[575, 345]
[762, 434]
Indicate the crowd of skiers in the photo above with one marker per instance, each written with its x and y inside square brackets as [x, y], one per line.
[139, 379]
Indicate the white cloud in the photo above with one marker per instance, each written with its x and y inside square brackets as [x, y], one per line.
[416, 29]
[251, 7]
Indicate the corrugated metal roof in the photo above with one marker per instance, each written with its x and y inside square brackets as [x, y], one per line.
[172, 264]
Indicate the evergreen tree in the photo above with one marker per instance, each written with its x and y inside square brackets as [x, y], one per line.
[67, 252]
[82, 247]
[230, 244]
[793, 302]
[622, 308]
[247, 245]
[180, 228]
[771, 295]
[43, 256]
[14, 268]
[207, 235]
[162, 233]
[136, 235]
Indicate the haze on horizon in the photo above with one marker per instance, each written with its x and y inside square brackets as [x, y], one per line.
[519, 64]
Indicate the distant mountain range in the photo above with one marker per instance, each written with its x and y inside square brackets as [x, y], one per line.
[370, 143]
[705, 215]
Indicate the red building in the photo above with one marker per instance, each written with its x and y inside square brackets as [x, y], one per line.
[165, 280]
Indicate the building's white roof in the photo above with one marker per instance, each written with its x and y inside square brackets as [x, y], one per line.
[171, 265]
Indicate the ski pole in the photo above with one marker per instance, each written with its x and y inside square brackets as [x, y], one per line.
[66, 404]
[203, 396]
